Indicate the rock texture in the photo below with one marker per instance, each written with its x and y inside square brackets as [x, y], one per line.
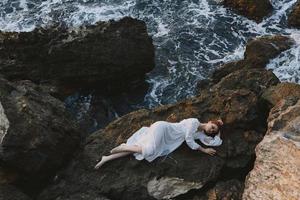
[110, 56]
[127, 178]
[276, 171]
[224, 190]
[252, 9]
[235, 97]
[281, 91]
[37, 135]
[294, 16]
[9, 192]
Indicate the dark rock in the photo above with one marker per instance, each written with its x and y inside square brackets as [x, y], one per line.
[223, 190]
[94, 110]
[127, 178]
[257, 80]
[258, 53]
[9, 192]
[294, 16]
[37, 135]
[110, 56]
[252, 9]
[260, 50]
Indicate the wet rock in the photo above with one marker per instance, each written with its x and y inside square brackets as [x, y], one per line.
[276, 171]
[252, 9]
[94, 110]
[258, 53]
[260, 50]
[127, 178]
[37, 135]
[110, 56]
[294, 16]
[9, 192]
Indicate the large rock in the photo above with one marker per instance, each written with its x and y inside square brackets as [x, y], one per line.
[37, 135]
[110, 56]
[276, 172]
[276, 93]
[294, 16]
[258, 53]
[236, 99]
[252, 9]
[184, 169]
[256, 80]
[223, 190]
[9, 192]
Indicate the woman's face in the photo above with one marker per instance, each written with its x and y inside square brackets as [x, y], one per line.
[211, 128]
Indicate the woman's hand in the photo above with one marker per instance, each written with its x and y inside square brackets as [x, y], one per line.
[220, 121]
[209, 151]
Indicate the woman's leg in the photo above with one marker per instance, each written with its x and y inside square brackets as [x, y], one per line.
[126, 148]
[105, 159]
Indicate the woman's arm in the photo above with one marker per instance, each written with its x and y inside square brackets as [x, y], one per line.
[189, 139]
[209, 151]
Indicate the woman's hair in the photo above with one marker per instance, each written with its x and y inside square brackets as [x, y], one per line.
[218, 124]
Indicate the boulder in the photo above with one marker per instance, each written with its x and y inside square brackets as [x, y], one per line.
[276, 93]
[111, 56]
[252, 9]
[183, 170]
[9, 192]
[223, 190]
[294, 16]
[276, 171]
[257, 80]
[37, 136]
[258, 53]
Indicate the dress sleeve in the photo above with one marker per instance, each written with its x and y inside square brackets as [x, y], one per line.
[209, 141]
[191, 128]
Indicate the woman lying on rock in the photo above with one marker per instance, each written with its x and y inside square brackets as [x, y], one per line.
[163, 137]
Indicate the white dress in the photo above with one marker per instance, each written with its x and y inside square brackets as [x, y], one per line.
[162, 137]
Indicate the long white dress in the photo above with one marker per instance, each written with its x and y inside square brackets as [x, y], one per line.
[162, 137]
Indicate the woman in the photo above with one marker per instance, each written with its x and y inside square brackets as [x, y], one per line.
[162, 137]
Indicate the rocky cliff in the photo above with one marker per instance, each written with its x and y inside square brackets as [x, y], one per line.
[88, 56]
[276, 171]
[236, 97]
[41, 144]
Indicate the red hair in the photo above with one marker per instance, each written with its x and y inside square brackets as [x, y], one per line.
[219, 124]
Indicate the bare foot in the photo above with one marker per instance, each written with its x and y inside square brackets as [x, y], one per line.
[118, 149]
[99, 164]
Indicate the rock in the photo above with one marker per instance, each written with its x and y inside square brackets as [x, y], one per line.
[223, 190]
[170, 187]
[252, 9]
[257, 54]
[184, 169]
[257, 80]
[37, 135]
[94, 110]
[276, 171]
[112, 56]
[294, 16]
[260, 50]
[9, 192]
[281, 91]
